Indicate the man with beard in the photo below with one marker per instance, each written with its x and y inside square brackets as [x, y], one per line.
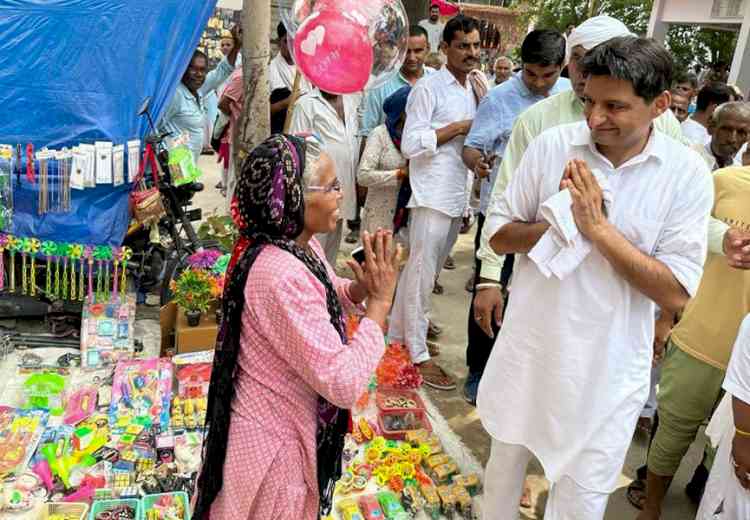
[439, 114]
[434, 28]
[625, 231]
[543, 56]
[186, 113]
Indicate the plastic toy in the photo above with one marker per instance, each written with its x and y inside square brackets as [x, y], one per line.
[392, 508]
[371, 508]
[464, 503]
[432, 501]
[349, 510]
[442, 474]
[448, 501]
[412, 500]
[141, 390]
[20, 432]
[45, 391]
[81, 404]
[434, 461]
[471, 483]
[167, 506]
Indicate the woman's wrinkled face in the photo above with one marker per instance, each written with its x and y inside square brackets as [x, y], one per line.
[322, 198]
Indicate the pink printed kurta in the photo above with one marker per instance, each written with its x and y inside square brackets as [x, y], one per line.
[289, 355]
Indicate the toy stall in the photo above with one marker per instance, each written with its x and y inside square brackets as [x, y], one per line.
[82, 416]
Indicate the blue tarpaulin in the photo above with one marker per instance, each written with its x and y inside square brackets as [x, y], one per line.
[76, 71]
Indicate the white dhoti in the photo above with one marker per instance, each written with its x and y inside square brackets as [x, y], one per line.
[330, 242]
[432, 235]
[503, 487]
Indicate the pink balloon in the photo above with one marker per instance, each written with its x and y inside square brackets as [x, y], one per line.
[334, 52]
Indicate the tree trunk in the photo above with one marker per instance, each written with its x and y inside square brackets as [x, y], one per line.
[593, 8]
[255, 124]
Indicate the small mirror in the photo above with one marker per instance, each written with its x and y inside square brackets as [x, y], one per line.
[144, 106]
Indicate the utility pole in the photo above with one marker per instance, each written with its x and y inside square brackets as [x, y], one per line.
[255, 124]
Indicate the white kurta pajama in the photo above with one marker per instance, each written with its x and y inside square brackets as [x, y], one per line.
[570, 370]
[440, 186]
[313, 113]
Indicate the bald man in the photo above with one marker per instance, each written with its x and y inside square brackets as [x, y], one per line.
[503, 70]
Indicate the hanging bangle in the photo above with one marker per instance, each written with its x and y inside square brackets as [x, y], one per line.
[741, 433]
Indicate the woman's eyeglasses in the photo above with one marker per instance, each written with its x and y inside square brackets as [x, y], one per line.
[335, 186]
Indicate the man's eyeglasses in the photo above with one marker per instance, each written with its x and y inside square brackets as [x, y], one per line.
[335, 186]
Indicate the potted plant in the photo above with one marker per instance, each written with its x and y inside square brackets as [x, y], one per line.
[192, 292]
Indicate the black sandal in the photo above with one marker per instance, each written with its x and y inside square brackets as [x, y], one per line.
[636, 494]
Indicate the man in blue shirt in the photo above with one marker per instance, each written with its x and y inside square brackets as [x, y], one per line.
[543, 55]
[186, 112]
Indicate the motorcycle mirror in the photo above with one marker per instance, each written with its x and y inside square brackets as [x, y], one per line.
[144, 106]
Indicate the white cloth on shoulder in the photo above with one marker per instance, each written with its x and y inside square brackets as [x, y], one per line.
[562, 248]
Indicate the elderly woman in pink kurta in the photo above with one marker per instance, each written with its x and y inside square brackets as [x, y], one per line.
[285, 373]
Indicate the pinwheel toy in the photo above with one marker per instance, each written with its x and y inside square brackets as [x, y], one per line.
[34, 246]
[76, 252]
[49, 250]
[3, 245]
[13, 244]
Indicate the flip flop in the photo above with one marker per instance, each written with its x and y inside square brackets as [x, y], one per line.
[636, 494]
[433, 348]
[434, 331]
[434, 376]
[450, 264]
[438, 289]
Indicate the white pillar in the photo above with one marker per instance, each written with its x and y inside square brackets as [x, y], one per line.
[739, 74]
[657, 29]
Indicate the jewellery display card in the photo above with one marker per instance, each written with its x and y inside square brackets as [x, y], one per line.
[134, 159]
[103, 162]
[118, 164]
[89, 175]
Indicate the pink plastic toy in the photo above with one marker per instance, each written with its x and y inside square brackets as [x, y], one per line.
[81, 405]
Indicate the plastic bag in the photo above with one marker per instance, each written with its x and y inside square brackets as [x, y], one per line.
[181, 163]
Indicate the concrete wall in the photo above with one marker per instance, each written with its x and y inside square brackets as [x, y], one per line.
[694, 12]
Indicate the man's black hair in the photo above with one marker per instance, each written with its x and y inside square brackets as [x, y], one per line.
[281, 30]
[642, 62]
[713, 93]
[418, 30]
[199, 54]
[686, 77]
[543, 47]
[460, 23]
[433, 6]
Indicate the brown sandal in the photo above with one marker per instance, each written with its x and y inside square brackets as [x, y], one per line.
[433, 348]
[435, 377]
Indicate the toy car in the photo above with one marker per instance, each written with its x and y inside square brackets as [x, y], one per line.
[432, 501]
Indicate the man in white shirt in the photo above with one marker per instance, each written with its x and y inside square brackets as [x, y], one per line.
[434, 28]
[438, 117]
[570, 370]
[695, 128]
[503, 70]
[281, 72]
[334, 119]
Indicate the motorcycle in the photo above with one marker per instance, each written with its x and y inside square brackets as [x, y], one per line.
[156, 263]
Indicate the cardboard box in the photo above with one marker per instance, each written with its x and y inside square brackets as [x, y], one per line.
[177, 335]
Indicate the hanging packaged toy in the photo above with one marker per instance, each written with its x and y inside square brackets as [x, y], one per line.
[182, 166]
[45, 391]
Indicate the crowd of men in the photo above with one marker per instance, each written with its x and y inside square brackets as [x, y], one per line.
[612, 241]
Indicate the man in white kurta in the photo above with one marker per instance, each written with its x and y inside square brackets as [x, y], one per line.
[438, 117]
[570, 370]
[315, 112]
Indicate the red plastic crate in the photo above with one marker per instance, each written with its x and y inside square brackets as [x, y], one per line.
[398, 435]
